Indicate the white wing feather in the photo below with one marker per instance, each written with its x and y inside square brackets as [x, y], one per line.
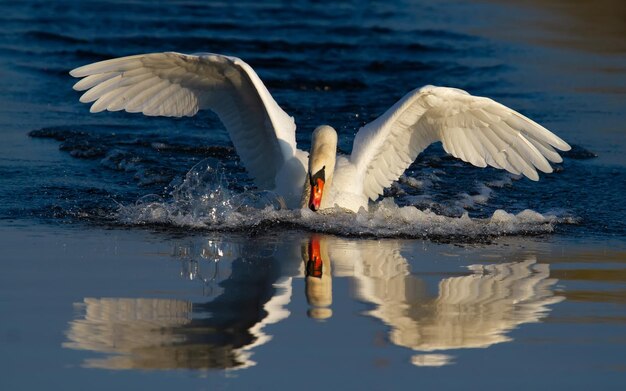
[477, 130]
[176, 85]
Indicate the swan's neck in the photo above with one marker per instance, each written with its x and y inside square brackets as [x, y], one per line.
[321, 162]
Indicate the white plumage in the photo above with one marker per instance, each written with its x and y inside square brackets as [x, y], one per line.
[474, 129]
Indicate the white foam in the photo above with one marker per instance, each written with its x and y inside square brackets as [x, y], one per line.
[204, 201]
[470, 201]
[506, 180]
[416, 183]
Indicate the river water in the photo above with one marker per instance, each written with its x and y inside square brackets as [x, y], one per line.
[137, 252]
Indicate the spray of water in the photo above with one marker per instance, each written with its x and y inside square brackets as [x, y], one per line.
[203, 200]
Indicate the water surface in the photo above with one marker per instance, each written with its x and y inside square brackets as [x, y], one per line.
[120, 270]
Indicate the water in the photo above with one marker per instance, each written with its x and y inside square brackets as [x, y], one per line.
[138, 253]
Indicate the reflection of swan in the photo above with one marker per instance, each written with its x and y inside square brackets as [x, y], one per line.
[222, 331]
[472, 311]
[474, 129]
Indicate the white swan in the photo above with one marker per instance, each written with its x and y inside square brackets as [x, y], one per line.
[477, 130]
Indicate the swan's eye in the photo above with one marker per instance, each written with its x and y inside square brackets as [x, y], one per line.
[321, 174]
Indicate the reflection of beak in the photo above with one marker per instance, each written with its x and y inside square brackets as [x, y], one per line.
[315, 263]
[316, 194]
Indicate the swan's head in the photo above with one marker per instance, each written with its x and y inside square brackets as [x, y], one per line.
[321, 163]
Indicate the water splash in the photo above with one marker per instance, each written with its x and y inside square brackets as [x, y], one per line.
[203, 200]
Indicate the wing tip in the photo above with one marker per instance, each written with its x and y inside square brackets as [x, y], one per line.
[533, 176]
[95, 108]
[80, 71]
[85, 99]
[563, 146]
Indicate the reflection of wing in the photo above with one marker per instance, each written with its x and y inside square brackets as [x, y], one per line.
[469, 312]
[163, 334]
[134, 330]
[476, 311]
[155, 333]
[276, 312]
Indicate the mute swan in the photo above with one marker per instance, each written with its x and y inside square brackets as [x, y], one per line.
[474, 129]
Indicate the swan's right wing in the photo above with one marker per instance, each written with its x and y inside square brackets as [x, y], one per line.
[176, 85]
[474, 129]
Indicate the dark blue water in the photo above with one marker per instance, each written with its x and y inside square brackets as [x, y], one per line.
[338, 65]
[71, 178]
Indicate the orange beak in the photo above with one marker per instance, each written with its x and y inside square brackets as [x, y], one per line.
[315, 263]
[316, 194]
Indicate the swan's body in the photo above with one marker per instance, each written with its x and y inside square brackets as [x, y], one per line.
[474, 129]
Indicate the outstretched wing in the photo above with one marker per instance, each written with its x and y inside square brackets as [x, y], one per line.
[477, 130]
[176, 85]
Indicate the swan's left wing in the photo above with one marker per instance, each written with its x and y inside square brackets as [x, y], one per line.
[474, 129]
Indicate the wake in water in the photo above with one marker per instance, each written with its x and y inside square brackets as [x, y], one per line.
[203, 201]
